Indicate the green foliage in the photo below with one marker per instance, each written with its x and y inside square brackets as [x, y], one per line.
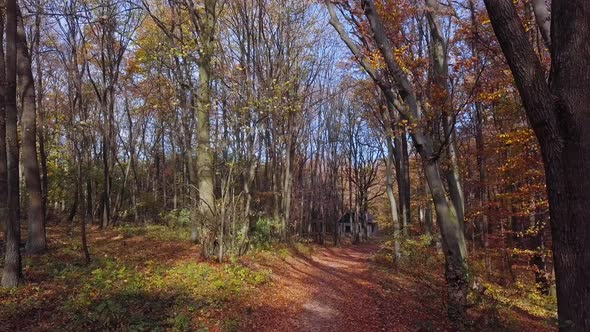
[524, 296]
[115, 296]
[129, 231]
[303, 249]
[414, 251]
[417, 250]
[216, 284]
[178, 218]
[180, 322]
[264, 231]
[155, 232]
[109, 288]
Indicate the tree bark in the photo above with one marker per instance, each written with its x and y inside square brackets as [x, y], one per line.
[36, 241]
[543, 19]
[3, 166]
[405, 153]
[41, 112]
[457, 276]
[400, 170]
[441, 82]
[12, 275]
[392, 203]
[206, 26]
[558, 113]
[483, 188]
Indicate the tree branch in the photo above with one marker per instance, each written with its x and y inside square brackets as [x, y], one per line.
[525, 66]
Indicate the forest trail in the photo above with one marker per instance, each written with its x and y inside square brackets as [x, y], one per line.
[336, 289]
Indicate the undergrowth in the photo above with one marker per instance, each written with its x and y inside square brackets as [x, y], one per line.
[494, 305]
[140, 279]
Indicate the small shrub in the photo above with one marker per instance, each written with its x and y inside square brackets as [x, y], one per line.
[178, 218]
[264, 231]
[179, 323]
[418, 251]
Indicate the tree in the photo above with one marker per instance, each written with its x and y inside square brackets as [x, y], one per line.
[401, 95]
[12, 275]
[3, 170]
[205, 25]
[36, 241]
[558, 112]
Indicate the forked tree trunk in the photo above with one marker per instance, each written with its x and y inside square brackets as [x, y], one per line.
[453, 239]
[560, 116]
[457, 275]
[441, 82]
[456, 268]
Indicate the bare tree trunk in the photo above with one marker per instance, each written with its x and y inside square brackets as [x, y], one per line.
[440, 79]
[3, 166]
[41, 112]
[401, 181]
[428, 213]
[558, 113]
[406, 176]
[389, 174]
[454, 246]
[543, 19]
[36, 242]
[106, 193]
[80, 197]
[392, 204]
[286, 192]
[483, 189]
[206, 26]
[457, 276]
[12, 275]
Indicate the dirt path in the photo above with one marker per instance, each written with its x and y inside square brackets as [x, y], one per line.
[334, 290]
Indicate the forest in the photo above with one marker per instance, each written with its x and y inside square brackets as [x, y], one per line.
[295, 165]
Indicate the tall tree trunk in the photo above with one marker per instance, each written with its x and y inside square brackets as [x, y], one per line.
[12, 274]
[457, 275]
[286, 189]
[40, 110]
[401, 180]
[106, 178]
[428, 224]
[560, 117]
[392, 204]
[389, 183]
[453, 239]
[36, 241]
[3, 167]
[405, 154]
[537, 246]
[80, 196]
[454, 178]
[483, 189]
[205, 173]
[441, 82]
